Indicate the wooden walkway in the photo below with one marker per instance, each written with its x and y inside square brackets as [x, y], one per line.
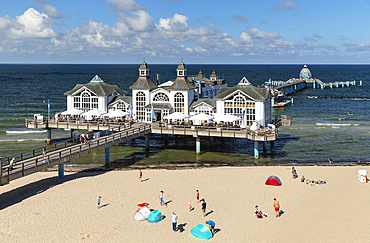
[227, 132]
[32, 161]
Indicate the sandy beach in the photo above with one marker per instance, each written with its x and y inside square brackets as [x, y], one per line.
[43, 208]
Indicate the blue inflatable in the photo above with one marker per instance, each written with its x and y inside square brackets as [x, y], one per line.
[201, 231]
[155, 216]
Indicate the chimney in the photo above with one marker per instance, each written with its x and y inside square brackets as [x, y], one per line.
[157, 79]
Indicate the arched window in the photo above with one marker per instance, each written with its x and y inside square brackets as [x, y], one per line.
[85, 101]
[161, 97]
[122, 106]
[236, 104]
[140, 103]
[179, 102]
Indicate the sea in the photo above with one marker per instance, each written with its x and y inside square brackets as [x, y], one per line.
[327, 123]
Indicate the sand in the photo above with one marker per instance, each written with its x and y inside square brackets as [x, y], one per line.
[43, 208]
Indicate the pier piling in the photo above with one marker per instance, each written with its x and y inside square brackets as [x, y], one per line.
[198, 145]
[107, 157]
[256, 154]
[61, 171]
[48, 141]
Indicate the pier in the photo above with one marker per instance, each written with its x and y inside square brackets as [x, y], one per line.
[114, 133]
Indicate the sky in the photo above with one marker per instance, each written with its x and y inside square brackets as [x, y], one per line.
[197, 31]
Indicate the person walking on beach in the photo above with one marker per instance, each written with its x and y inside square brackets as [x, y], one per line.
[294, 173]
[161, 198]
[190, 207]
[174, 221]
[198, 195]
[99, 202]
[204, 206]
[330, 161]
[140, 175]
[277, 208]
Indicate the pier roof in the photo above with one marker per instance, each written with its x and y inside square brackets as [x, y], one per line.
[210, 102]
[144, 82]
[252, 91]
[181, 83]
[97, 86]
[127, 99]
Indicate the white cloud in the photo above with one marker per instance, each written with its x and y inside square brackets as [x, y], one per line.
[317, 35]
[99, 41]
[240, 18]
[280, 7]
[256, 34]
[31, 24]
[53, 12]
[125, 5]
[279, 44]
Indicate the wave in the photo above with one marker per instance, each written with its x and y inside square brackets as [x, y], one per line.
[21, 140]
[336, 124]
[24, 132]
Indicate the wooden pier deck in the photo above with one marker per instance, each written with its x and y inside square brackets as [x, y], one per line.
[32, 161]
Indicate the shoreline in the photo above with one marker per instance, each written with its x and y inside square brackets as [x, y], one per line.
[117, 167]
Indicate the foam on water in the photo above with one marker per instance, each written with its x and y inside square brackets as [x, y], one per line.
[24, 132]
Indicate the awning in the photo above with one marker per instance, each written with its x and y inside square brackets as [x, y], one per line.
[158, 106]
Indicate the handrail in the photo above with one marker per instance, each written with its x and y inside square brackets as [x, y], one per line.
[38, 151]
[61, 153]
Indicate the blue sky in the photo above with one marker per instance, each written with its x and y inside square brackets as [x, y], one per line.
[203, 31]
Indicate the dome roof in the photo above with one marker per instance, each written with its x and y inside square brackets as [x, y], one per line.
[305, 72]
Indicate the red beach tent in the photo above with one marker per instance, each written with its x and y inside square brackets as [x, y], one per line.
[273, 181]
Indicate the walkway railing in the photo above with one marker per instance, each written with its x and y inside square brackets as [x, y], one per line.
[28, 163]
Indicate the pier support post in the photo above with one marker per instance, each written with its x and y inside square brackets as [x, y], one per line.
[61, 171]
[48, 141]
[271, 145]
[197, 145]
[314, 84]
[331, 85]
[264, 146]
[256, 154]
[211, 141]
[72, 131]
[360, 82]
[147, 141]
[107, 158]
[166, 139]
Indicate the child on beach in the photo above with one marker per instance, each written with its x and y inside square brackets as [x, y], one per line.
[198, 195]
[161, 198]
[294, 173]
[99, 201]
[140, 175]
[190, 207]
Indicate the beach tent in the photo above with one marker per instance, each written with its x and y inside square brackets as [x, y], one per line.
[142, 214]
[273, 181]
[201, 231]
[362, 175]
[155, 217]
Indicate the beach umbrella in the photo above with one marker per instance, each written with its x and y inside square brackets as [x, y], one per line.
[201, 117]
[226, 118]
[176, 116]
[72, 112]
[93, 113]
[117, 113]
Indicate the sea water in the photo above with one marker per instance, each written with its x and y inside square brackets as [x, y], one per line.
[321, 127]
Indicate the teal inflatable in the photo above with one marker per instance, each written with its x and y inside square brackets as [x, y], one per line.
[201, 231]
[155, 216]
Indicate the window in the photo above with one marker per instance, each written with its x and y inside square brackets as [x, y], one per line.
[161, 97]
[123, 107]
[204, 109]
[236, 104]
[142, 72]
[181, 73]
[85, 100]
[140, 103]
[179, 102]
